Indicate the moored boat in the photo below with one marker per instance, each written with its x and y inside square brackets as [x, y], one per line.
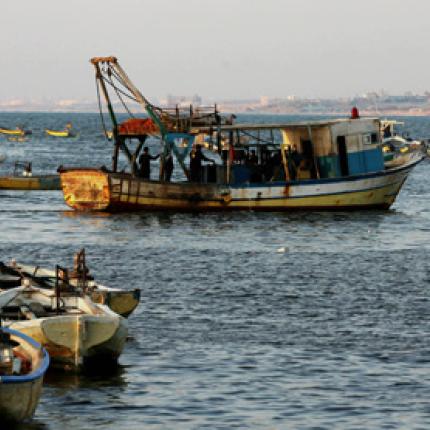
[25, 180]
[74, 330]
[40, 183]
[23, 363]
[121, 301]
[318, 165]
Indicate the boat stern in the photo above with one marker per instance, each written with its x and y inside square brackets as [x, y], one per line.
[85, 189]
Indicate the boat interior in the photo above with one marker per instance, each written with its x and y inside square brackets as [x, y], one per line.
[17, 357]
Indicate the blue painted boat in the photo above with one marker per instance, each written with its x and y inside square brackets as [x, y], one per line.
[23, 363]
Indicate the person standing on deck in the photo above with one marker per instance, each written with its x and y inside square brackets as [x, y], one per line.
[145, 163]
[196, 158]
[168, 167]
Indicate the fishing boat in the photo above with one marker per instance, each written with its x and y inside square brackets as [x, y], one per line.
[23, 363]
[335, 164]
[75, 331]
[66, 132]
[22, 178]
[121, 301]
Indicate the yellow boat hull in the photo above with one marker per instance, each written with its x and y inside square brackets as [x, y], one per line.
[59, 133]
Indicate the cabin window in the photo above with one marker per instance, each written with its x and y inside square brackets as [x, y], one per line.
[367, 139]
[374, 138]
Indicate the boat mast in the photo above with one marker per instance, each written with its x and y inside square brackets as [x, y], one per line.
[119, 141]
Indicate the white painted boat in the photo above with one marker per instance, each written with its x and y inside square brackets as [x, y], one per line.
[22, 368]
[121, 301]
[73, 329]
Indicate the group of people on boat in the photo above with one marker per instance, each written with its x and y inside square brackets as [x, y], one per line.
[196, 158]
[268, 166]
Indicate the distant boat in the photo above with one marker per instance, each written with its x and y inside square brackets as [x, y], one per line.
[74, 330]
[60, 133]
[66, 132]
[23, 363]
[15, 132]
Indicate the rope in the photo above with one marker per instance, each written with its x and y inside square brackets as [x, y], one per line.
[120, 98]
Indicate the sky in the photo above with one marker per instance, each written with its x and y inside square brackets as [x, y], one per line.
[219, 49]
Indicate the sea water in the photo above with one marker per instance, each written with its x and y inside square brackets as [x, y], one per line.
[247, 320]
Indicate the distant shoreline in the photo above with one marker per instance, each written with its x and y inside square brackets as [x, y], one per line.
[363, 112]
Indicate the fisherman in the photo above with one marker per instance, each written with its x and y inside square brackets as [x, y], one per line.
[196, 158]
[294, 160]
[252, 158]
[145, 163]
[168, 167]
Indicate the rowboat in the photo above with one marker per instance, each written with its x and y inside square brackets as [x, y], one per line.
[60, 133]
[121, 301]
[66, 132]
[15, 132]
[75, 331]
[23, 363]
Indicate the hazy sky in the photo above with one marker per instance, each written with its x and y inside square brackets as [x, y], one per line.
[218, 49]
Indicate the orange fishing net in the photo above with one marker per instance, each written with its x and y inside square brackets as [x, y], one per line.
[138, 126]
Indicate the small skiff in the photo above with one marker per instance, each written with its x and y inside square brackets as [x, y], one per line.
[14, 132]
[23, 363]
[122, 302]
[39, 183]
[74, 330]
[60, 133]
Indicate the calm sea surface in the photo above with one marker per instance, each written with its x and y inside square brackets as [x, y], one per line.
[247, 320]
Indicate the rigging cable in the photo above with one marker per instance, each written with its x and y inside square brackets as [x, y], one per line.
[119, 96]
[101, 110]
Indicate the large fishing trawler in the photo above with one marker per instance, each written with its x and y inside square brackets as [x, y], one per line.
[333, 164]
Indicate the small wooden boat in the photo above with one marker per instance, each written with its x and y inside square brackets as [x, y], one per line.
[23, 179]
[15, 132]
[60, 133]
[74, 330]
[122, 302]
[66, 132]
[23, 363]
[40, 183]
